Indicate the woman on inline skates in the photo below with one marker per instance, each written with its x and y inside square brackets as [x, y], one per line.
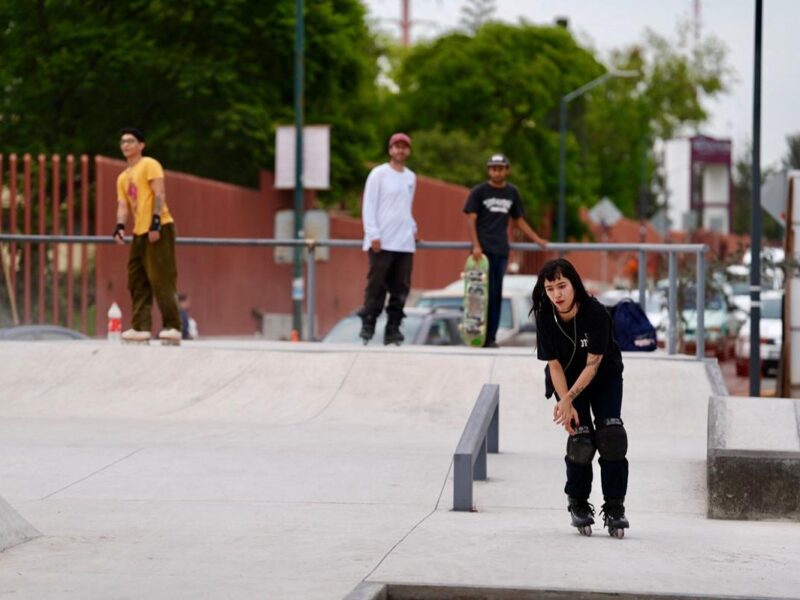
[584, 370]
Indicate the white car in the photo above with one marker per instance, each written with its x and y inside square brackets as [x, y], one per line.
[770, 329]
[516, 327]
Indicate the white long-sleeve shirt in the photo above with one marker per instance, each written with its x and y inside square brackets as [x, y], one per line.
[386, 210]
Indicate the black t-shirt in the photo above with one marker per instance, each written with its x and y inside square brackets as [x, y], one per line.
[494, 206]
[589, 332]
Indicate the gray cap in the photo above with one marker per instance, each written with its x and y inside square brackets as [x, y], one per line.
[498, 160]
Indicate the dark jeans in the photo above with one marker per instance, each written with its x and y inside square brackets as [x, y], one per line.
[390, 272]
[497, 269]
[152, 272]
[605, 402]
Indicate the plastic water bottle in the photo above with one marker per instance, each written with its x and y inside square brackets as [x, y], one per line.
[114, 323]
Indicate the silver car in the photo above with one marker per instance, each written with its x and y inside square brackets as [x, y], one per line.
[421, 326]
[516, 327]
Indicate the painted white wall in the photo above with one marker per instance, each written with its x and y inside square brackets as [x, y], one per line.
[716, 189]
[677, 155]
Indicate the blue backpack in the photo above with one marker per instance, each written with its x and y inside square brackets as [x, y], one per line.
[632, 329]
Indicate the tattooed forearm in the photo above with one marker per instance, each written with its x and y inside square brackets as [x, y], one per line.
[573, 393]
[592, 366]
[158, 205]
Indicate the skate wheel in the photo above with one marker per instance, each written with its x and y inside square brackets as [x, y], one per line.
[586, 530]
[617, 533]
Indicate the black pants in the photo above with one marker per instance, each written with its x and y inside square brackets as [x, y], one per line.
[604, 400]
[152, 272]
[390, 272]
[497, 269]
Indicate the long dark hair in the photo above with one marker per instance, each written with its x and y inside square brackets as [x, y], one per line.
[551, 271]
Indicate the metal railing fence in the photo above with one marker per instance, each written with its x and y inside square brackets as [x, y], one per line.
[671, 250]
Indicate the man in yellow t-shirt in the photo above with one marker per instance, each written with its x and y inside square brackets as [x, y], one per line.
[152, 269]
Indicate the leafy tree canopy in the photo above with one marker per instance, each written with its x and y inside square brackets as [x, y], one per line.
[792, 158]
[499, 90]
[208, 81]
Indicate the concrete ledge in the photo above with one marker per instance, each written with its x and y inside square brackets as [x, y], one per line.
[753, 468]
[369, 591]
[14, 529]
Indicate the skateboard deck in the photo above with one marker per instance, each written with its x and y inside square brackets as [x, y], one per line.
[476, 301]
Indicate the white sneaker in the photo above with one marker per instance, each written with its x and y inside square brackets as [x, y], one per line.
[133, 335]
[170, 335]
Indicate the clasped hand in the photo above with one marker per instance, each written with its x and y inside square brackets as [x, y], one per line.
[564, 414]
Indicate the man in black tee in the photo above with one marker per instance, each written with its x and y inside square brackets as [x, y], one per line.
[489, 208]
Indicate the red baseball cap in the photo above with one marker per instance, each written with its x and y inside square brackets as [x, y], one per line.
[399, 137]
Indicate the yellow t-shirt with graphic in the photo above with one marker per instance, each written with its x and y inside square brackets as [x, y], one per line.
[133, 187]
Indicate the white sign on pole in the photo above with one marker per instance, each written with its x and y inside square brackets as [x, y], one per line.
[605, 213]
[774, 195]
[316, 157]
[316, 226]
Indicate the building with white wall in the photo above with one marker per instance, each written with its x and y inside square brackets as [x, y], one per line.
[698, 183]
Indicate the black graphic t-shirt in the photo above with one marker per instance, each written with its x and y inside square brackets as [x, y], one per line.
[589, 332]
[494, 206]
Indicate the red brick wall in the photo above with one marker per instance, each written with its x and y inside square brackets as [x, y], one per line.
[605, 267]
[226, 283]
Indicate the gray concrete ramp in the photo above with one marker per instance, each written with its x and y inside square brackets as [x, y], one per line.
[14, 529]
[296, 471]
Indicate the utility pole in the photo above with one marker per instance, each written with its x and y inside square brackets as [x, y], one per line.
[405, 23]
[299, 109]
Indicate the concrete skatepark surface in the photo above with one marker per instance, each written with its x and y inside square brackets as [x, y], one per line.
[274, 470]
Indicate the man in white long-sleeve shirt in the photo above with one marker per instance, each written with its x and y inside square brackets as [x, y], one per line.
[390, 235]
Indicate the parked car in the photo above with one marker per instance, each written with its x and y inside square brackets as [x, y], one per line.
[721, 322]
[421, 326]
[40, 332]
[739, 279]
[770, 329]
[516, 327]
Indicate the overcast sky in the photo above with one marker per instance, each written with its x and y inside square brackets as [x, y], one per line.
[609, 24]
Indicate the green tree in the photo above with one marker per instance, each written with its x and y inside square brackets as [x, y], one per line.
[624, 119]
[476, 13]
[208, 80]
[499, 87]
[743, 199]
[502, 85]
[453, 156]
[792, 158]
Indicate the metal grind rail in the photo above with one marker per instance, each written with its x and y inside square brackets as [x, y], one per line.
[481, 436]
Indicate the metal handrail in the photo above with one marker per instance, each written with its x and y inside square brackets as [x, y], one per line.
[311, 244]
[481, 435]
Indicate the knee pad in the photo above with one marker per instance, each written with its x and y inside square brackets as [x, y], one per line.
[580, 447]
[611, 439]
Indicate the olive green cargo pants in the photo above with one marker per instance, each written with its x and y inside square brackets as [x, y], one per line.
[152, 271]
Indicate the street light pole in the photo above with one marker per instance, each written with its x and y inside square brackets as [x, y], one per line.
[755, 220]
[562, 143]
